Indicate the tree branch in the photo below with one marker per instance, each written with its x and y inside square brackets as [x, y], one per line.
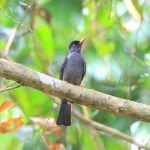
[103, 128]
[72, 93]
[109, 130]
[9, 41]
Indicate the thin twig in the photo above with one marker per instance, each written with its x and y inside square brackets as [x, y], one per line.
[10, 88]
[18, 22]
[45, 127]
[23, 32]
[9, 42]
[9, 85]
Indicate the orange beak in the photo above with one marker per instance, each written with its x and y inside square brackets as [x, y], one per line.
[82, 41]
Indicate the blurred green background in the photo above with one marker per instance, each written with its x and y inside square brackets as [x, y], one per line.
[117, 54]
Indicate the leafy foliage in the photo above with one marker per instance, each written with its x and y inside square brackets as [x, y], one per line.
[117, 52]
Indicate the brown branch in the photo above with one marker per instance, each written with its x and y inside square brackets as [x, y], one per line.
[10, 40]
[23, 32]
[72, 93]
[34, 8]
[108, 130]
[102, 127]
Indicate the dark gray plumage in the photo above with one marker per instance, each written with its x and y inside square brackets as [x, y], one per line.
[72, 70]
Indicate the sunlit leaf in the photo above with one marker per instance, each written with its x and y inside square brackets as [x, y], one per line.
[2, 43]
[2, 2]
[113, 144]
[104, 15]
[8, 141]
[104, 48]
[6, 104]
[11, 125]
[145, 81]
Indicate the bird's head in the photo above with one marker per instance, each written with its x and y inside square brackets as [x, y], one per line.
[76, 45]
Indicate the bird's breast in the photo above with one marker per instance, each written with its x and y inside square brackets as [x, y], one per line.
[74, 68]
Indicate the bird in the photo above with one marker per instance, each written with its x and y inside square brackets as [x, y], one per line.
[72, 71]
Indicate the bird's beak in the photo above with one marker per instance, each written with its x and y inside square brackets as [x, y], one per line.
[82, 41]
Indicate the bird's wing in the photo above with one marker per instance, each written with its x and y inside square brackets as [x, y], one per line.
[62, 67]
[84, 69]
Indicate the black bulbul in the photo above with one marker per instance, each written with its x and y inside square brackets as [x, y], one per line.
[72, 70]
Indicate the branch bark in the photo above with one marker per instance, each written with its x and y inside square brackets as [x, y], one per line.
[72, 93]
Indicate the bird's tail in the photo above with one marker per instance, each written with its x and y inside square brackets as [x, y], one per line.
[64, 116]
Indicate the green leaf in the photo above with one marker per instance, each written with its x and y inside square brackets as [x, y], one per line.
[45, 39]
[104, 48]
